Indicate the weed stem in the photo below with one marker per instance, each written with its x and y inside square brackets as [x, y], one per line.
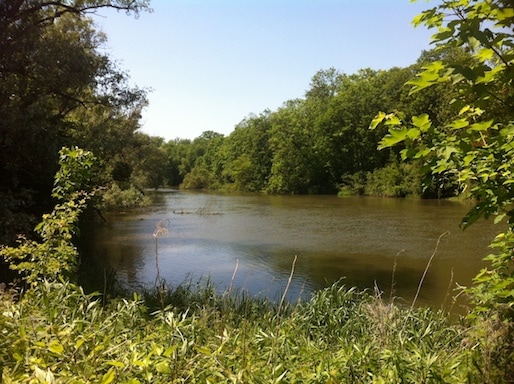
[426, 268]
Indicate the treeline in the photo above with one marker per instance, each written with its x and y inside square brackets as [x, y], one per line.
[320, 143]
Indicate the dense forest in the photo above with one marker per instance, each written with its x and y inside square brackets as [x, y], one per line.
[70, 141]
[319, 143]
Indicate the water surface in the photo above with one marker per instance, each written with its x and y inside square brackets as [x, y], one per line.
[249, 242]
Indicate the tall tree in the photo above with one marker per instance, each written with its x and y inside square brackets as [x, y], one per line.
[294, 161]
[247, 155]
[203, 155]
[50, 68]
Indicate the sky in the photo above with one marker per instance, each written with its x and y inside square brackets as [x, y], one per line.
[210, 63]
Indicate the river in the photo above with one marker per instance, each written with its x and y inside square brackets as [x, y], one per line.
[250, 242]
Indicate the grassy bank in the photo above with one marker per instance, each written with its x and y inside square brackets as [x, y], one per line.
[55, 333]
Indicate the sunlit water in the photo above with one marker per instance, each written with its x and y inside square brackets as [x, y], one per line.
[249, 243]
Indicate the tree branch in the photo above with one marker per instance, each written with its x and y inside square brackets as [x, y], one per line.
[16, 12]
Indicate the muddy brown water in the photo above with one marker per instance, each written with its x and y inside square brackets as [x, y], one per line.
[249, 242]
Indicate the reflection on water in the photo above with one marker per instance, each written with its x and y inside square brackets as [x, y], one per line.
[363, 240]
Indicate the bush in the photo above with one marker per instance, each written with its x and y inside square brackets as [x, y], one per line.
[115, 198]
[55, 254]
[198, 178]
[395, 180]
[353, 184]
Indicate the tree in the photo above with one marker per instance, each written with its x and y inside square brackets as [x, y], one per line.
[54, 86]
[325, 84]
[294, 162]
[177, 152]
[476, 144]
[203, 158]
[246, 154]
[302, 140]
[347, 118]
[149, 161]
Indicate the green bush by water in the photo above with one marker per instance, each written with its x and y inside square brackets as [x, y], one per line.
[115, 198]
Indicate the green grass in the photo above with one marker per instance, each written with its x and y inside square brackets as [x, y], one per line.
[57, 334]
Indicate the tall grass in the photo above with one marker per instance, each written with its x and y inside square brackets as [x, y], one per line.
[56, 333]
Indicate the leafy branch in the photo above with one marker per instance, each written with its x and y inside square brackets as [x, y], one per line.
[55, 254]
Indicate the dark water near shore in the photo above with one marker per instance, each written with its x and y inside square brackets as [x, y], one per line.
[250, 242]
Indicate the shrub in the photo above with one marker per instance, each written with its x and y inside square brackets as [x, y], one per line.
[395, 180]
[115, 198]
[56, 254]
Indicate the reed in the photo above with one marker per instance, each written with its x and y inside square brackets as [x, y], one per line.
[57, 332]
[159, 231]
[426, 269]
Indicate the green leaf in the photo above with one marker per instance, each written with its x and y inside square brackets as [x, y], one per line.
[422, 122]
[392, 120]
[443, 34]
[79, 342]
[464, 109]
[459, 124]
[499, 218]
[440, 167]
[115, 363]
[503, 13]
[377, 120]
[109, 376]
[169, 351]
[422, 153]
[204, 350]
[163, 367]
[448, 151]
[430, 75]
[484, 126]
[394, 137]
[413, 133]
[469, 158]
[56, 347]
[485, 54]
[430, 18]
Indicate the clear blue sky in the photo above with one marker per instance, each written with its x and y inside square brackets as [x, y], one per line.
[210, 63]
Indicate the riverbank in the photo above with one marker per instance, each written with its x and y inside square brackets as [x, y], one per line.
[56, 333]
